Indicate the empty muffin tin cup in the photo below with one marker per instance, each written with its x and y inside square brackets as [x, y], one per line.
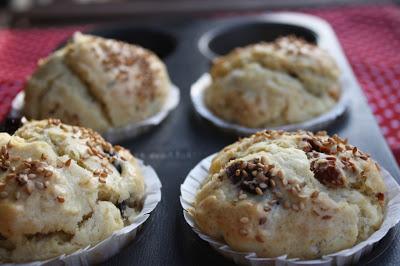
[317, 123]
[224, 39]
[129, 131]
[116, 241]
[197, 177]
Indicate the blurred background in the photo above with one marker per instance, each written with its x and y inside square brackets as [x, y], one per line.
[24, 13]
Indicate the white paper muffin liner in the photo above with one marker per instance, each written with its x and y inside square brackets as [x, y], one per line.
[116, 241]
[128, 131]
[197, 176]
[317, 123]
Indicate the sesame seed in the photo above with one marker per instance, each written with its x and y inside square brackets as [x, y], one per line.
[263, 185]
[272, 202]
[286, 204]
[242, 196]
[263, 160]
[251, 166]
[68, 162]
[48, 174]
[39, 185]
[244, 220]
[60, 199]
[104, 174]
[244, 173]
[29, 187]
[243, 231]
[280, 174]
[259, 191]
[272, 183]
[31, 176]
[314, 194]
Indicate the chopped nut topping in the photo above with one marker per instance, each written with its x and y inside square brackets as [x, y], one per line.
[327, 173]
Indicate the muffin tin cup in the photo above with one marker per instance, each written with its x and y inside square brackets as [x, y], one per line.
[113, 244]
[198, 175]
[317, 123]
[129, 131]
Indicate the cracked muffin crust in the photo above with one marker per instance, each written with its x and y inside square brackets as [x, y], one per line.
[63, 188]
[301, 194]
[97, 83]
[270, 84]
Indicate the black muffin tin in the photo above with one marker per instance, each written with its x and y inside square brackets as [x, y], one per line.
[183, 139]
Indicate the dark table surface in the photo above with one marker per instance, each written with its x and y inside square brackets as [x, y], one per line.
[181, 141]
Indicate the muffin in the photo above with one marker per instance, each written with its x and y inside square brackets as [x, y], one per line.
[271, 84]
[97, 83]
[299, 194]
[63, 188]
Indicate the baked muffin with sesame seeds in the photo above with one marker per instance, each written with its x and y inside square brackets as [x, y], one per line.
[301, 194]
[271, 84]
[63, 188]
[98, 83]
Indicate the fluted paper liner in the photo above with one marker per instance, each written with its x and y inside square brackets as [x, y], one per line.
[317, 123]
[112, 245]
[199, 173]
[128, 131]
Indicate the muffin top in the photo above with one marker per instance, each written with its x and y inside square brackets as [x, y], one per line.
[299, 194]
[98, 83]
[276, 83]
[62, 188]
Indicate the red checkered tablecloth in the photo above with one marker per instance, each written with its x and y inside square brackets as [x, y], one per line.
[369, 35]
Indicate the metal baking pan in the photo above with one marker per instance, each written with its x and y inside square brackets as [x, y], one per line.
[183, 139]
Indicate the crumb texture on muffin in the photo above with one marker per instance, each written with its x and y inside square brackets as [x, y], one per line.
[97, 83]
[301, 194]
[269, 84]
[62, 188]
